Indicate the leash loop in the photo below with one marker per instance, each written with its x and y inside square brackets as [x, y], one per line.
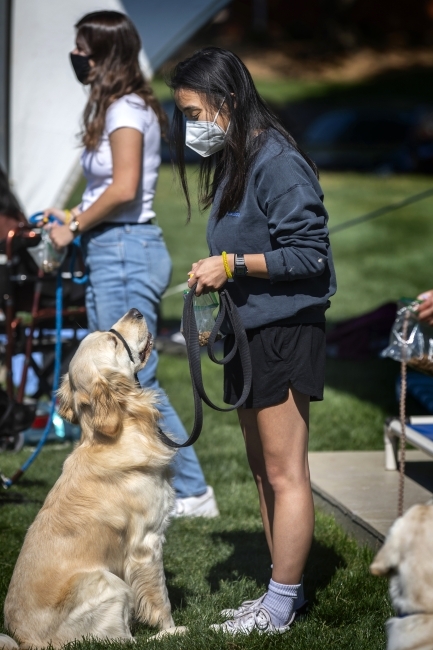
[227, 309]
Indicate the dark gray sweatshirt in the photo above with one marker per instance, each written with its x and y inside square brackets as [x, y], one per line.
[281, 215]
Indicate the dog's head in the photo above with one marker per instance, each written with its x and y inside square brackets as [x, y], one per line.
[407, 559]
[101, 377]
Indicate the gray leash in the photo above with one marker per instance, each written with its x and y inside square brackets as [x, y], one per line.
[227, 311]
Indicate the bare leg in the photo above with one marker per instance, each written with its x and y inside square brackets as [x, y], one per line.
[253, 444]
[276, 440]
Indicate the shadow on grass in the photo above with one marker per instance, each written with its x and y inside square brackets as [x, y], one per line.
[177, 595]
[250, 559]
[34, 483]
[322, 564]
[8, 498]
[372, 380]
[17, 496]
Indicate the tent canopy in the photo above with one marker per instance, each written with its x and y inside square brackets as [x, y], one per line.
[41, 102]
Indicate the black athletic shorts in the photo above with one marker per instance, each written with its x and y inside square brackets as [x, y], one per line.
[281, 356]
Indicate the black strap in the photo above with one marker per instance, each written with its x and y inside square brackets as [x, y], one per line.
[128, 349]
[229, 310]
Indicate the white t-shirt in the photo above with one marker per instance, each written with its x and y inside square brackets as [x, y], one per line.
[128, 111]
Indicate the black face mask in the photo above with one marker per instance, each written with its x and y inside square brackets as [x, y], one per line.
[81, 66]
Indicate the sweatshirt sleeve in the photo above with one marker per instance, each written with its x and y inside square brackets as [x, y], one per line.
[297, 224]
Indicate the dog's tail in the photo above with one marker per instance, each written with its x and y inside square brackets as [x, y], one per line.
[7, 643]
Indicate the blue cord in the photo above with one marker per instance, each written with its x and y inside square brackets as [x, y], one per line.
[36, 218]
[7, 482]
[75, 245]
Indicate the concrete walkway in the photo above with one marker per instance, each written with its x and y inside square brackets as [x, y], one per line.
[355, 487]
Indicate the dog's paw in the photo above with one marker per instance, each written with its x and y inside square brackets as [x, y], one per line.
[179, 629]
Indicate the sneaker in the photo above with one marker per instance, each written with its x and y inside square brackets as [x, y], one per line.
[204, 505]
[244, 608]
[250, 605]
[258, 620]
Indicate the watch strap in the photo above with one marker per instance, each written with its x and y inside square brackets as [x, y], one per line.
[240, 268]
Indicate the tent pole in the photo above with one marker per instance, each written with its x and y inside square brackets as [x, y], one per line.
[5, 39]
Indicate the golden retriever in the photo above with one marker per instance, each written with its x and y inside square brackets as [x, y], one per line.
[93, 555]
[407, 558]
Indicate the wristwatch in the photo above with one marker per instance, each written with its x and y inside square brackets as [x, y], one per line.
[240, 266]
[74, 226]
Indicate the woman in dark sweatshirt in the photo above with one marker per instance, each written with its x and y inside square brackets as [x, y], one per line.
[268, 240]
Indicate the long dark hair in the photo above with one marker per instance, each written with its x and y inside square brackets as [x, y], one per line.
[224, 80]
[113, 43]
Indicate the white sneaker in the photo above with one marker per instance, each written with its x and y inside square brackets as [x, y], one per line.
[256, 620]
[204, 505]
[250, 605]
[244, 608]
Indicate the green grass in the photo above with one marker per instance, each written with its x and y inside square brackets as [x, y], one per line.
[385, 258]
[212, 564]
[218, 563]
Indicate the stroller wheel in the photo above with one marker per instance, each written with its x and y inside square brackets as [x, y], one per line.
[12, 443]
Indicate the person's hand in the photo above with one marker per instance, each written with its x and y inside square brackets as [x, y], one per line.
[61, 236]
[55, 212]
[425, 309]
[209, 274]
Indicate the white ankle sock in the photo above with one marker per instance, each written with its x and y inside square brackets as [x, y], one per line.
[279, 602]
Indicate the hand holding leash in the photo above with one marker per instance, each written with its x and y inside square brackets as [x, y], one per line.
[228, 312]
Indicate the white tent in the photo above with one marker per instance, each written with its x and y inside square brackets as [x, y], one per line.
[41, 102]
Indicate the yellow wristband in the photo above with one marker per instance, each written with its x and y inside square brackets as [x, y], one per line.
[68, 216]
[226, 265]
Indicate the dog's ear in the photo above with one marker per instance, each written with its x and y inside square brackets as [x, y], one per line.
[106, 408]
[66, 401]
[388, 558]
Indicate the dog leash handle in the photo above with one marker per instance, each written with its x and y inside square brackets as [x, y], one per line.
[227, 309]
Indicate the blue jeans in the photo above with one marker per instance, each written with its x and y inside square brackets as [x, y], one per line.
[129, 266]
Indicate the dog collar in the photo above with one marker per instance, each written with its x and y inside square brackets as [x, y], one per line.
[127, 348]
[406, 614]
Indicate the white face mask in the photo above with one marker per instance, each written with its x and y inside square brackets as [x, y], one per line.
[204, 137]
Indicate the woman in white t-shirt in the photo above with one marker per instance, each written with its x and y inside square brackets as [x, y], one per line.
[124, 251]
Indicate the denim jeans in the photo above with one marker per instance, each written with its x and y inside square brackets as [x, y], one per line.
[129, 266]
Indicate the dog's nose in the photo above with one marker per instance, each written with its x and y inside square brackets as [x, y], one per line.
[134, 313]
